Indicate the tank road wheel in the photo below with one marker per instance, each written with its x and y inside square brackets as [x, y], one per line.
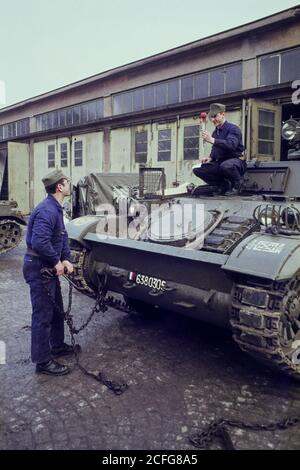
[10, 235]
[266, 323]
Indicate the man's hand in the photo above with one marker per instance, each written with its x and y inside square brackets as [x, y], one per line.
[206, 160]
[68, 265]
[59, 268]
[206, 136]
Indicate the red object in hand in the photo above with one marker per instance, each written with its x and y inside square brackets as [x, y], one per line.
[203, 116]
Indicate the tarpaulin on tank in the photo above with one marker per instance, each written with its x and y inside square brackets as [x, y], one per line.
[98, 188]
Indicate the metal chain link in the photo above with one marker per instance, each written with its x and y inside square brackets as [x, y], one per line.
[218, 429]
[100, 306]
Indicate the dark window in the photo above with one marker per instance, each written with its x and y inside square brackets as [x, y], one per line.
[63, 155]
[78, 153]
[266, 132]
[123, 103]
[23, 127]
[76, 115]
[49, 121]
[290, 66]
[69, 117]
[164, 145]
[11, 129]
[84, 113]
[191, 143]
[201, 85]
[161, 93]
[92, 111]
[269, 70]
[173, 92]
[99, 109]
[149, 97]
[141, 143]
[137, 100]
[217, 82]
[62, 118]
[51, 156]
[187, 89]
[233, 78]
[1, 132]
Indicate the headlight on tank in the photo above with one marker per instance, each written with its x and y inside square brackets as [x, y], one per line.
[289, 129]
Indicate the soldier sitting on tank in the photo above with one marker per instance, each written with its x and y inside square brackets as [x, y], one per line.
[225, 167]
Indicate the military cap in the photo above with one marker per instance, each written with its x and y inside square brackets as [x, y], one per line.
[216, 108]
[53, 177]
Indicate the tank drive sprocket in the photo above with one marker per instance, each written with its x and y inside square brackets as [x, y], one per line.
[10, 235]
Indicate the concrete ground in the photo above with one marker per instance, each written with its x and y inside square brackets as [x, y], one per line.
[182, 374]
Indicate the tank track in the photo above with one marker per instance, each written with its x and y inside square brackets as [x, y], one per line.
[266, 323]
[10, 235]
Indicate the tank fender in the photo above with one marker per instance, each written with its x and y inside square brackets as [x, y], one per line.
[79, 227]
[15, 218]
[274, 257]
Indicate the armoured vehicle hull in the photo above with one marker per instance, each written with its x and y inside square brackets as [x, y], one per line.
[234, 262]
[11, 220]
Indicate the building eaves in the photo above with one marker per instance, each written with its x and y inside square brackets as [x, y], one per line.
[266, 23]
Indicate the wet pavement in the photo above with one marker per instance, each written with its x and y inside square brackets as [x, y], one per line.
[181, 374]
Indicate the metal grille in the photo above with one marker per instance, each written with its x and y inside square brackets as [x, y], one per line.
[152, 182]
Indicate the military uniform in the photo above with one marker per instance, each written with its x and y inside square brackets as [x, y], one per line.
[47, 244]
[226, 164]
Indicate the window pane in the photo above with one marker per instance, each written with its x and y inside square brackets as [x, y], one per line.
[91, 111]
[191, 154]
[290, 66]
[269, 70]
[76, 115]
[1, 132]
[69, 117]
[173, 92]
[217, 82]
[161, 92]
[233, 78]
[187, 89]
[84, 113]
[190, 131]
[78, 153]
[141, 139]
[265, 148]
[266, 117]
[62, 118]
[141, 147]
[51, 156]
[164, 134]
[266, 133]
[137, 100]
[191, 143]
[63, 155]
[99, 109]
[149, 97]
[201, 85]
[164, 145]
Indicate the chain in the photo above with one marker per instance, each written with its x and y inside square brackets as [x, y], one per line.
[218, 429]
[100, 306]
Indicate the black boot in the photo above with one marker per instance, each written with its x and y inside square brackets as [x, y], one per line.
[52, 368]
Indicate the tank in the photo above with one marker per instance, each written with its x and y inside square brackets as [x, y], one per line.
[231, 262]
[11, 220]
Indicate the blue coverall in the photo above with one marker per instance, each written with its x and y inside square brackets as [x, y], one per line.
[46, 235]
[225, 153]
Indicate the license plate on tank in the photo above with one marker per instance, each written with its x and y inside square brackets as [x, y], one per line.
[148, 281]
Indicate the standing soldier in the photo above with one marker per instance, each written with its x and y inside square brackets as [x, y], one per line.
[47, 246]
